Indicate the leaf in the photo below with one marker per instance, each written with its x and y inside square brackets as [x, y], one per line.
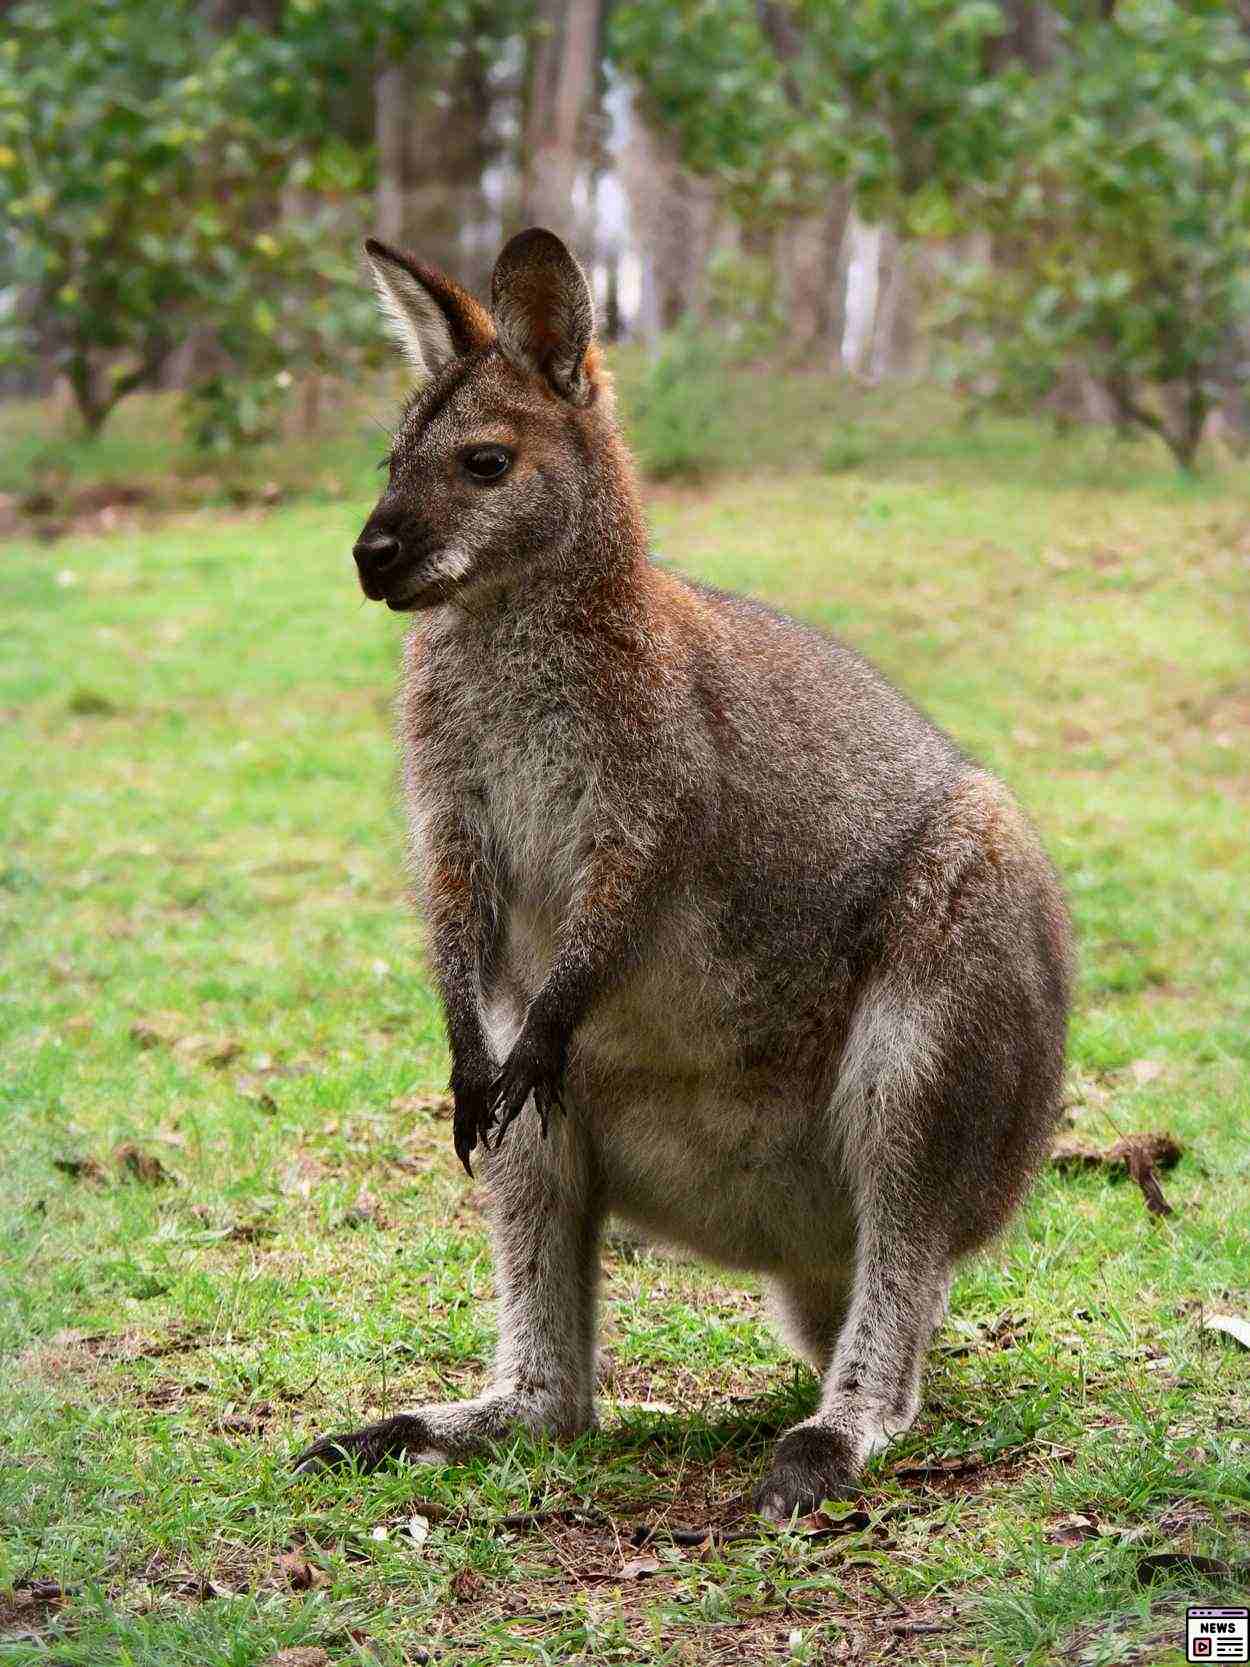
[80, 1169]
[1139, 1156]
[418, 1529]
[467, 1586]
[301, 1656]
[156, 1031]
[297, 1571]
[819, 1525]
[1162, 1563]
[639, 1568]
[957, 1465]
[1231, 1325]
[1074, 1529]
[141, 1166]
[432, 1105]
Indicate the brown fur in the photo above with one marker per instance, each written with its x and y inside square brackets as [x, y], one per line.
[796, 969]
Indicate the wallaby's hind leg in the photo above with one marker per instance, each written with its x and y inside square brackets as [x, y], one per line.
[870, 1390]
[545, 1221]
[945, 1096]
[810, 1314]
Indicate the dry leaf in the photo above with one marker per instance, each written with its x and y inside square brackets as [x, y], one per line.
[955, 1466]
[1139, 1156]
[419, 1529]
[217, 1051]
[80, 1169]
[297, 1571]
[428, 1105]
[639, 1568]
[365, 1212]
[1161, 1563]
[1143, 1071]
[1230, 1325]
[819, 1525]
[1141, 1167]
[466, 1586]
[157, 1030]
[252, 1087]
[301, 1656]
[142, 1166]
[1072, 1530]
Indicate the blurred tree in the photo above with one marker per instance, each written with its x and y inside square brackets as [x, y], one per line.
[138, 151]
[1126, 214]
[172, 169]
[563, 93]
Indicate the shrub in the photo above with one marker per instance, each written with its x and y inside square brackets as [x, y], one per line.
[678, 420]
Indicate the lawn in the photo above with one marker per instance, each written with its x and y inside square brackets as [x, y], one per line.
[232, 1219]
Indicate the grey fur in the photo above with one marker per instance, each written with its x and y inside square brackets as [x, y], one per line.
[796, 968]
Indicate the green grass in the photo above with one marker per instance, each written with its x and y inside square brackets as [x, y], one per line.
[206, 953]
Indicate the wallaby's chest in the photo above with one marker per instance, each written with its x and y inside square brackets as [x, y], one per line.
[511, 745]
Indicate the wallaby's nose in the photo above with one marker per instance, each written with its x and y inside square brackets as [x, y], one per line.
[376, 553]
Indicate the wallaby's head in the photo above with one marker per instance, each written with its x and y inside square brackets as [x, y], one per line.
[493, 462]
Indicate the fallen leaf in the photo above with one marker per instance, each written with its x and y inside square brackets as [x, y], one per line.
[39, 1591]
[1161, 1563]
[142, 1166]
[158, 1030]
[466, 1586]
[252, 1087]
[80, 1169]
[1143, 1071]
[297, 1570]
[819, 1525]
[430, 1105]
[1138, 1155]
[1074, 1529]
[1141, 1167]
[365, 1212]
[298, 1657]
[217, 1051]
[418, 1529]
[955, 1466]
[1231, 1325]
[381, 1532]
[639, 1568]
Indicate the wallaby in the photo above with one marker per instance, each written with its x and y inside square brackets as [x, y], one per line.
[785, 976]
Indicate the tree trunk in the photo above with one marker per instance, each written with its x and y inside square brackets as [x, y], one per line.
[673, 226]
[563, 96]
[811, 283]
[434, 146]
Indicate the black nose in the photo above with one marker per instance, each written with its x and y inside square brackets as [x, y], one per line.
[376, 554]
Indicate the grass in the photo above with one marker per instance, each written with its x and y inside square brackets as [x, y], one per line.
[207, 958]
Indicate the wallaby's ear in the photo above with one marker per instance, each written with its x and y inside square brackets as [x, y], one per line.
[430, 316]
[544, 315]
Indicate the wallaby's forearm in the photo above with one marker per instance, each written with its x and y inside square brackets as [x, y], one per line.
[463, 911]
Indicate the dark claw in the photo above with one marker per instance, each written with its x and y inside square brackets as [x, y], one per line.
[366, 1448]
[471, 1122]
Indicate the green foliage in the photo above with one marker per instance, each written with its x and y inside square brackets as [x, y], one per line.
[1123, 227]
[1114, 177]
[848, 449]
[162, 181]
[678, 409]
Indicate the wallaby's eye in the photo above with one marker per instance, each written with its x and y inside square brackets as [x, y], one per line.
[487, 462]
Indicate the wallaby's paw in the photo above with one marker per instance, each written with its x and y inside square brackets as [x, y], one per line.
[535, 1066]
[810, 1464]
[471, 1118]
[369, 1447]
